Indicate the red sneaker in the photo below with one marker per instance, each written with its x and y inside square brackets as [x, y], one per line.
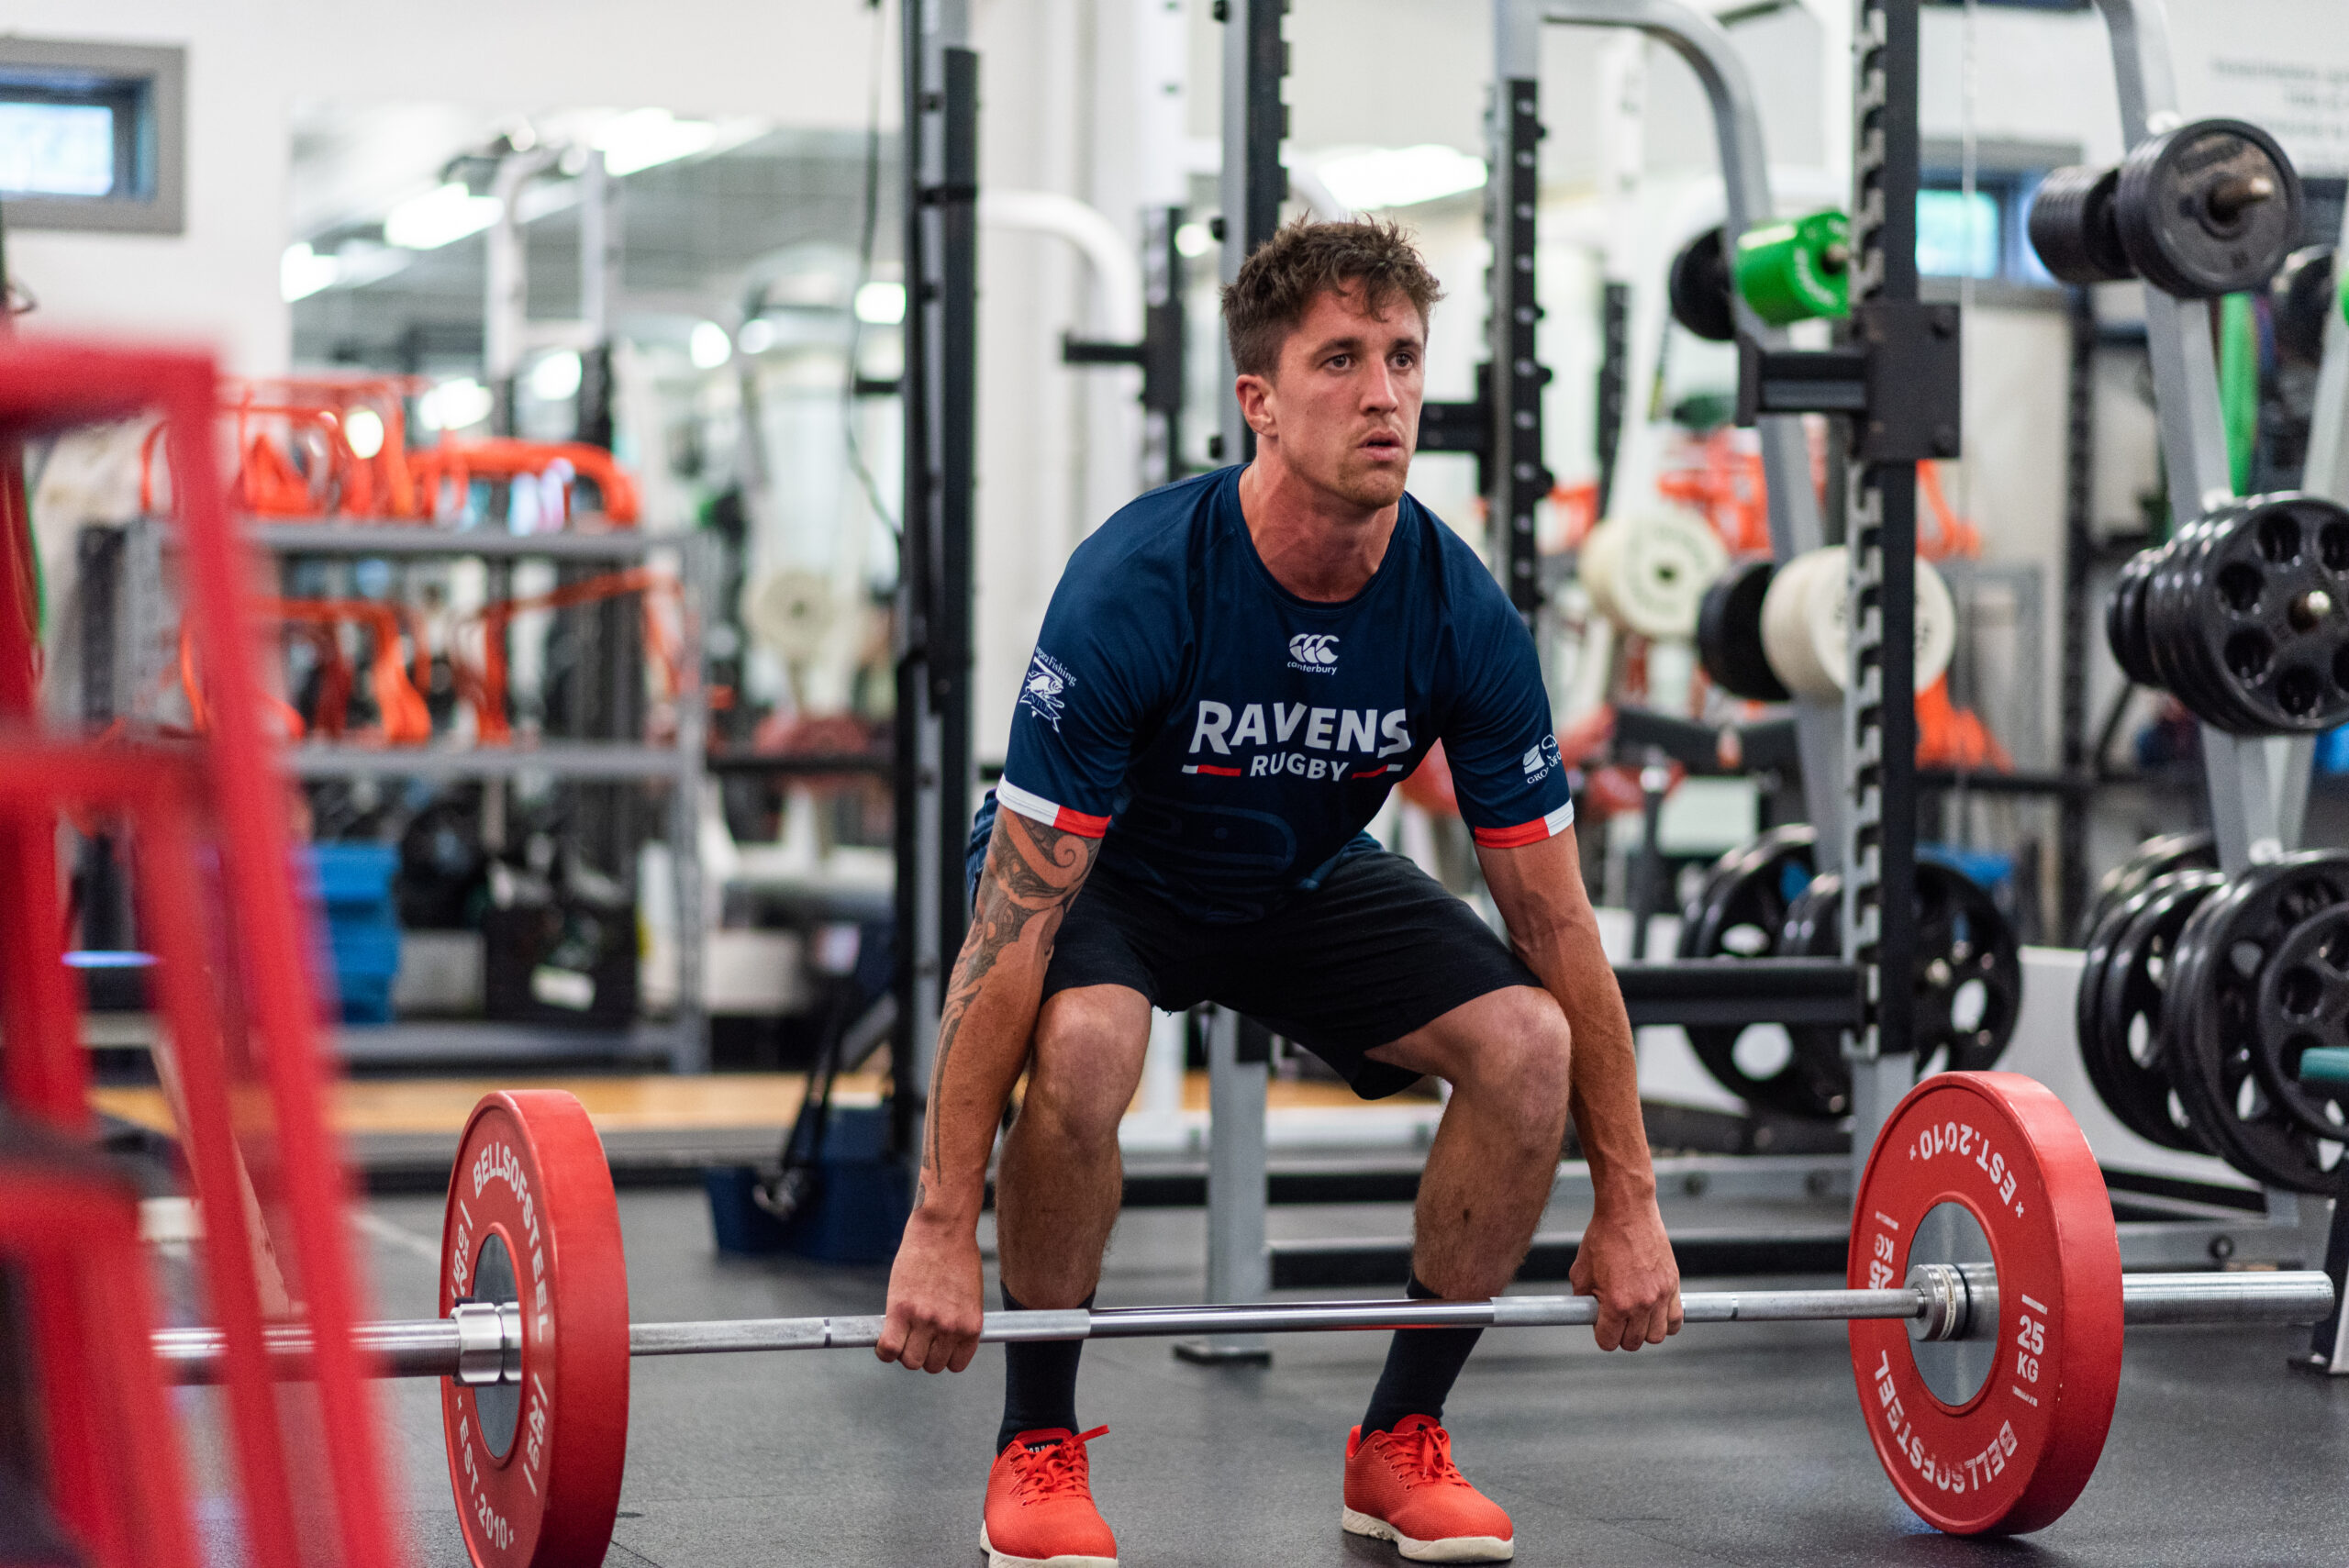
[1402, 1486]
[1039, 1505]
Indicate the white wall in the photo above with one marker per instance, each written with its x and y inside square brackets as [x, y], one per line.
[799, 62]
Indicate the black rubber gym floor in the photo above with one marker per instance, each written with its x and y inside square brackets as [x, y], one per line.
[1732, 1444]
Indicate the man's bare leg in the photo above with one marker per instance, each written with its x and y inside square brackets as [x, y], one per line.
[1059, 1183]
[1494, 1158]
[1488, 1177]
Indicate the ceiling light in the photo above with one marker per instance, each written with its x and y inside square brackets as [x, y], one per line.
[881, 302]
[756, 336]
[302, 272]
[1369, 178]
[1194, 240]
[643, 138]
[454, 404]
[439, 217]
[363, 428]
[710, 347]
[556, 376]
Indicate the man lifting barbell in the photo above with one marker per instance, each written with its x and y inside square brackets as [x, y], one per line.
[1234, 671]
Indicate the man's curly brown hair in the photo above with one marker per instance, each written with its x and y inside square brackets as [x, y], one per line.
[1278, 285]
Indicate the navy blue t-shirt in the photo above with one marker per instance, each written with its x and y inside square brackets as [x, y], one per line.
[1231, 739]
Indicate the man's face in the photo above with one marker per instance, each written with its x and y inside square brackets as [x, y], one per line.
[1344, 403]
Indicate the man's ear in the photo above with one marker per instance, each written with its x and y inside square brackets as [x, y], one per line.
[1255, 395]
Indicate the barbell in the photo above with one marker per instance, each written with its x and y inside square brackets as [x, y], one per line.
[1981, 1232]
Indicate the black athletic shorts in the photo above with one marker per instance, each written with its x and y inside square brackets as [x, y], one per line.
[1377, 950]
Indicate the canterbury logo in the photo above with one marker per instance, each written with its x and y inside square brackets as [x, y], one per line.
[1316, 650]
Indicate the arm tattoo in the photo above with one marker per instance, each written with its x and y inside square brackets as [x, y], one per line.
[1031, 875]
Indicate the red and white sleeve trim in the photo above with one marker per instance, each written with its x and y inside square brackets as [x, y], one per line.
[1532, 832]
[1036, 808]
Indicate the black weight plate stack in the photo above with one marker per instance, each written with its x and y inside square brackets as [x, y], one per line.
[2072, 226]
[1969, 974]
[2156, 857]
[2124, 619]
[2247, 616]
[1967, 985]
[2210, 207]
[2211, 1019]
[2301, 301]
[1739, 913]
[1728, 633]
[1699, 288]
[2119, 1009]
[2303, 1002]
[1814, 928]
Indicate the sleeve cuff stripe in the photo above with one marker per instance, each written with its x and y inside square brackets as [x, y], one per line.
[1036, 808]
[1532, 832]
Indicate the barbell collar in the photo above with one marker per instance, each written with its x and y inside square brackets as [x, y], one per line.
[481, 1342]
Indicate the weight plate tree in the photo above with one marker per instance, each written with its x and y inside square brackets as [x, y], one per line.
[1728, 633]
[2037, 1276]
[2118, 1009]
[2073, 227]
[1698, 288]
[2155, 857]
[2208, 208]
[532, 1226]
[2228, 1069]
[1740, 912]
[2006, 1444]
[1967, 988]
[2242, 616]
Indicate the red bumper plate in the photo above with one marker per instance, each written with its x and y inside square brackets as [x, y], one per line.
[531, 1217]
[2015, 1454]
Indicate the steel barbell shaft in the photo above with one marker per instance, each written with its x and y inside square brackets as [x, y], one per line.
[481, 1341]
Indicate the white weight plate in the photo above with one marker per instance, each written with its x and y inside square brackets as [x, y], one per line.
[1936, 625]
[792, 611]
[1790, 638]
[1806, 624]
[1661, 568]
[1597, 564]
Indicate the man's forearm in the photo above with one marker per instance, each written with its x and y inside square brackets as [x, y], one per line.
[1031, 876]
[1604, 1087]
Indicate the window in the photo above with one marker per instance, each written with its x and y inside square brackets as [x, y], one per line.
[58, 150]
[1985, 235]
[1958, 235]
[90, 135]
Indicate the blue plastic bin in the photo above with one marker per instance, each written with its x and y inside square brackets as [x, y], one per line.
[353, 882]
[350, 874]
[860, 1208]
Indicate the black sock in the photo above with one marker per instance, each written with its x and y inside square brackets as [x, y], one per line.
[1421, 1366]
[1038, 1381]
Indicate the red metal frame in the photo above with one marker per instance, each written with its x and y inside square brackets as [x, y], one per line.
[231, 790]
[74, 1226]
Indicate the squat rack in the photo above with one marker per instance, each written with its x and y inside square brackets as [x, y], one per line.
[932, 727]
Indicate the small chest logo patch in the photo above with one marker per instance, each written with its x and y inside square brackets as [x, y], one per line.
[1044, 691]
[1314, 650]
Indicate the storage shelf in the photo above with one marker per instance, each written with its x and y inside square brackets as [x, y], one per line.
[564, 759]
[428, 539]
[458, 1040]
[445, 1041]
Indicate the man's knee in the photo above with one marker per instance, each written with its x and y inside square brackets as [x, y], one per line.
[1522, 1058]
[1079, 1081]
